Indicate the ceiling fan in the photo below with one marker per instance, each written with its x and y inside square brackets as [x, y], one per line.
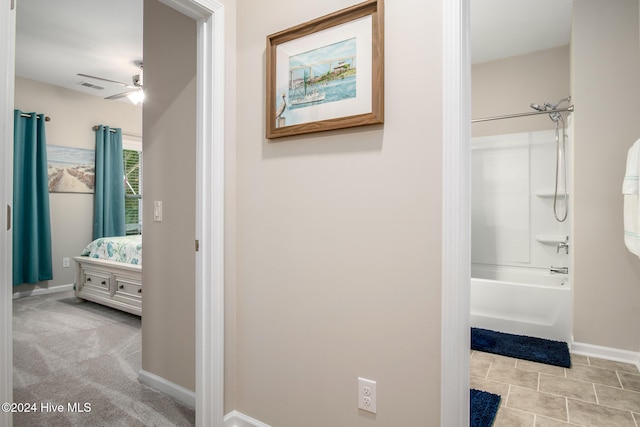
[135, 95]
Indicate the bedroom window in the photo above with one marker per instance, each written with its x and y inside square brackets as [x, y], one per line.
[133, 190]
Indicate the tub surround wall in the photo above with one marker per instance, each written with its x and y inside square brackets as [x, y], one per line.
[513, 180]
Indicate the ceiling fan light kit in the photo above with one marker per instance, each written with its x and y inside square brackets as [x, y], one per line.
[136, 95]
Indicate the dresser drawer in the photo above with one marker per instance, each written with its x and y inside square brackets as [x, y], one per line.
[128, 288]
[128, 292]
[97, 280]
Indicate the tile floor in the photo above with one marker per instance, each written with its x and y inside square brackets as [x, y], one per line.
[593, 392]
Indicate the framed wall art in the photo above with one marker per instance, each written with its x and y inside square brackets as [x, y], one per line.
[71, 170]
[327, 73]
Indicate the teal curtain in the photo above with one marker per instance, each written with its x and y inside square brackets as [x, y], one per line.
[32, 260]
[109, 219]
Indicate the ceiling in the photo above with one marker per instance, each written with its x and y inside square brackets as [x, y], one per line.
[504, 28]
[56, 40]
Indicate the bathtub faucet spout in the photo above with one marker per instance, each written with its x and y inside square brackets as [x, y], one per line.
[560, 270]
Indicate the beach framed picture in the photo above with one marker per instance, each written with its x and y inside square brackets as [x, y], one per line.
[327, 73]
[71, 170]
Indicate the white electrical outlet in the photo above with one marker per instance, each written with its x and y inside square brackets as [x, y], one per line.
[367, 395]
[65, 262]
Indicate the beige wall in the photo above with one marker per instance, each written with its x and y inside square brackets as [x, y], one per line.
[339, 238]
[73, 114]
[510, 85]
[168, 323]
[606, 90]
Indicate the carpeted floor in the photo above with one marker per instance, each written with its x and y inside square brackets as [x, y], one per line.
[73, 353]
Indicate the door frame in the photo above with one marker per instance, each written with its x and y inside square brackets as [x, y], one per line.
[7, 83]
[210, 18]
[456, 216]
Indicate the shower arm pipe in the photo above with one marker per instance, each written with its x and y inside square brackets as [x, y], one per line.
[568, 109]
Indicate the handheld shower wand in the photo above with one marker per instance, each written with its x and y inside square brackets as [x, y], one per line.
[556, 117]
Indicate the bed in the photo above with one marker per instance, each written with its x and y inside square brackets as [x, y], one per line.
[109, 272]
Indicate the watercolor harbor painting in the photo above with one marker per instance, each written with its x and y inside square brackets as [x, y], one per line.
[326, 74]
[71, 170]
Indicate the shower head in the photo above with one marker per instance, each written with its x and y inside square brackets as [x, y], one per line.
[547, 106]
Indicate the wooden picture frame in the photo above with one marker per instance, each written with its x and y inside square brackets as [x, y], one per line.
[327, 73]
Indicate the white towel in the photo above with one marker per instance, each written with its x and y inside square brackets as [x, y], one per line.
[631, 234]
[630, 189]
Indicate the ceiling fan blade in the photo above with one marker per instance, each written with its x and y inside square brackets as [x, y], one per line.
[121, 95]
[107, 80]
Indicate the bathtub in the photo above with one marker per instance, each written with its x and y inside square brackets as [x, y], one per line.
[523, 301]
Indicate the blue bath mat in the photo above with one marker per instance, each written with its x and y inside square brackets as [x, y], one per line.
[521, 347]
[484, 406]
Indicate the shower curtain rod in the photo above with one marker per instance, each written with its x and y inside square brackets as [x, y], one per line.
[46, 119]
[530, 113]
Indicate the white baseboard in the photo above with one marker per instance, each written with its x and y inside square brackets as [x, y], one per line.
[165, 386]
[43, 291]
[608, 353]
[238, 419]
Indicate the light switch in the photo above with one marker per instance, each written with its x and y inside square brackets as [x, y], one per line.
[157, 211]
